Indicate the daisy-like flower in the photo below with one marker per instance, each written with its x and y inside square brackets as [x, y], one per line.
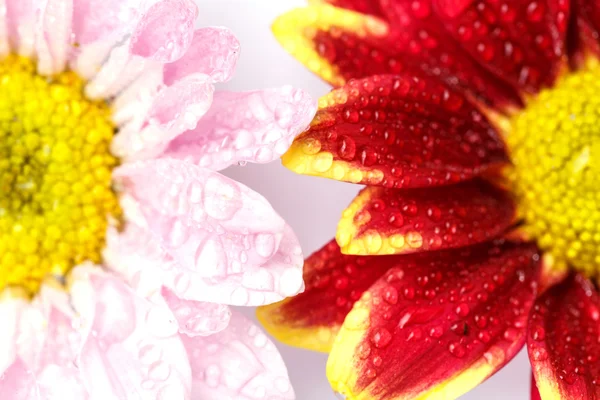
[473, 124]
[121, 246]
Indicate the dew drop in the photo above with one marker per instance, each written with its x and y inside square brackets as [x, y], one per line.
[457, 349]
[381, 338]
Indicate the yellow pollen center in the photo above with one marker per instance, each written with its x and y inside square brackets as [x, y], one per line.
[555, 149]
[55, 175]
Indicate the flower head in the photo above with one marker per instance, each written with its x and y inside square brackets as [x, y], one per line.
[112, 136]
[473, 125]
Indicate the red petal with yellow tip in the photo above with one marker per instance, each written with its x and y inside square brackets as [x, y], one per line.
[439, 328]
[334, 282]
[392, 221]
[396, 131]
[308, 34]
[520, 41]
[563, 341]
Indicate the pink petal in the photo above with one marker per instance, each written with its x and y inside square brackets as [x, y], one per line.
[53, 41]
[132, 349]
[59, 383]
[165, 31]
[120, 70]
[213, 51]
[254, 126]
[4, 39]
[18, 383]
[10, 314]
[175, 109]
[56, 373]
[20, 15]
[212, 239]
[197, 318]
[187, 206]
[100, 19]
[98, 25]
[239, 363]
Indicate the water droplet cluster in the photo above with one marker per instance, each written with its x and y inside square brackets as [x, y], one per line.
[396, 132]
[417, 40]
[555, 149]
[457, 307]
[563, 334]
[522, 41]
[390, 221]
[55, 174]
[334, 282]
[299, 30]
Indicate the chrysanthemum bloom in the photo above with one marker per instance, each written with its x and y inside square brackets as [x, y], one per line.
[474, 125]
[111, 137]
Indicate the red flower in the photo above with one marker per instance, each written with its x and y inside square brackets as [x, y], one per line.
[474, 125]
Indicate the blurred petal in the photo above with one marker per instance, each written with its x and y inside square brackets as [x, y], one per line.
[239, 362]
[214, 51]
[397, 131]
[54, 36]
[21, 18]
[334, 282]
[399, 221]
[133, 347]
[299, 30]
[437, 329]
[197, 318]
[18, 383]
[10, 314]
[362, 6]
[587, 17]
[535, 393]
[253, 126]
[529, 61]
[563, 341]
[165, 31]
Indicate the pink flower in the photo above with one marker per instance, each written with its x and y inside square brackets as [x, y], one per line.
[112, 139]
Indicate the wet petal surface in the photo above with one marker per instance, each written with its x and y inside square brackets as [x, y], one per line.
[239, 362]
[396, 131]
[399, 221]
[562, 340]
[437, 329]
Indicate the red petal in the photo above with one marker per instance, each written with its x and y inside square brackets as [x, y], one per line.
[396, 131]
[437, 329]
[334, 282]
[564, 341]
[420, 40]
[535, 393]
[587, 17]
[370, 7]
[339, 45]
[392, 221]
[301, 31]
[520, 41]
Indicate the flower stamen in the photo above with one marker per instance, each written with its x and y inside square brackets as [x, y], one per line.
[55, 174]
[555, 149]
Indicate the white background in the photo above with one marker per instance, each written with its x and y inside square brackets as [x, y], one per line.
[311, 205]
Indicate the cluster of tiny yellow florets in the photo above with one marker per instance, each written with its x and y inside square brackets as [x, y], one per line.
[555, 149]
[55, 174]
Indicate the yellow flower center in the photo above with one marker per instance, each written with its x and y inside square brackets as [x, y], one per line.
[55, 174]
[555, 148]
